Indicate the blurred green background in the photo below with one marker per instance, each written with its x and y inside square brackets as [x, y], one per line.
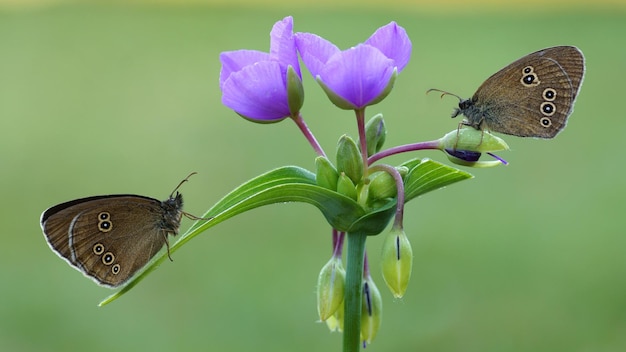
[98, 99]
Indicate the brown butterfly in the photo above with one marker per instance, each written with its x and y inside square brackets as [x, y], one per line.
[109, 238]
[532, 97]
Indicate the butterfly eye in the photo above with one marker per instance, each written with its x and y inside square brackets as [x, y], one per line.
[105, 226]
[464, 104]
[529, 77]
[98, 249]
[104, 223]
[546, 122]
[548, 108]
[108, 258]
[549, 94]
[530, 80]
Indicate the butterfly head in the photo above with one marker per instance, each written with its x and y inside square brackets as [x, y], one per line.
[172, 213]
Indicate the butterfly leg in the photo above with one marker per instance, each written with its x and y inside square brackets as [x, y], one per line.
[167, 244]
[479, 126]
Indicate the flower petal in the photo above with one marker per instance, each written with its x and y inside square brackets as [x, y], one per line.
[392, 41]
[233, 61]
[257, 92]
[315, 51]
[359, 74]
[283, 46]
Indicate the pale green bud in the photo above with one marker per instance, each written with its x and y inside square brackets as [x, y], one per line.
[371, 311]
[330, 288]
[335, 322]
[349, 159]
[326, 175]
[464, 146]
[397, 262]
[375, 134]
[471, 139]
[382, 186]
[295, 91]
[346, 187]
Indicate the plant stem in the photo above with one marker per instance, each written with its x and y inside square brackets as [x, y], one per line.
[360, 122]
[403, 149]
[308, 135]
[353, 292]
[399, 218]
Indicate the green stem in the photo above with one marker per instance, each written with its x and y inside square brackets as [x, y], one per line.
[308, 134]
[360, 122]
[353, 292]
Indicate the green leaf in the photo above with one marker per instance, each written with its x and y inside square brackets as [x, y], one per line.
[375, 221]
[428, 175]
[286, 184]
[295, 184]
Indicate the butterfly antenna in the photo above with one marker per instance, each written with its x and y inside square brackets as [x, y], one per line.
[181, 183]
[444, 93]
[186, 214]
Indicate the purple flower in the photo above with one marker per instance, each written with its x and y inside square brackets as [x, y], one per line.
[362, 75]
[256, 84]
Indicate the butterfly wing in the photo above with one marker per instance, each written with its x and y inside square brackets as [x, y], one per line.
[533, 96]
[108, 238]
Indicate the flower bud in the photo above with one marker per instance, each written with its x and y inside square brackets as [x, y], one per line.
[326, 175]
[349, 159]
[346, 187]
[382, 186]
[471, 139]
[397, 262]
[465, 146]
[295, 91]
[330, 288]
[335, 322]
[371, 311]
[403, 170]
[375, 134]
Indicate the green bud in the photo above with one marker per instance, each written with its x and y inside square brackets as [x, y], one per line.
[295, 91]
[326, 175]
[371, 311]
[335, 322]
[397, 262]
[465, 145]
[346, 187]
[330, 288]
[471, 139]
[349, 159]
[382, 186]
[375, 134]
[363, 190]
[403, 170]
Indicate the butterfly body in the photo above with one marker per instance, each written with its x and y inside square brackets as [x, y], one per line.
[531, 97]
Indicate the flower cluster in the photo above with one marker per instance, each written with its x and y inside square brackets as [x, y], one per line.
[359, 196]
[260, 87]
